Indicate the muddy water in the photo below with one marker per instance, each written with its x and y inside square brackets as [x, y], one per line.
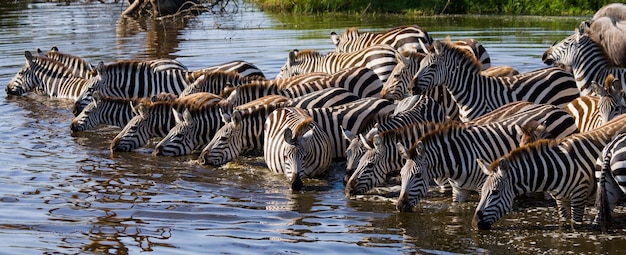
[62, 193]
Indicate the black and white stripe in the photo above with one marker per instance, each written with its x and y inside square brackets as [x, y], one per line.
[380, 58]
[402, 38]
[477, 94]
[611, 177]
[562, 167]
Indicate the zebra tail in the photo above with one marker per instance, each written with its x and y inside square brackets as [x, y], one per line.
[602, 200]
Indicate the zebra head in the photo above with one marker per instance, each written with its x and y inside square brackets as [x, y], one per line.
[295, 154]
[565, 52]
[226, 143]
[610, 102]
[496, 196]
[346, 41]
[95, 83]
[399, 84]
[136, 132]
[180, 140]
[290, 68]
[90, 116]
[415, 178]
[432, 69]
[25, 80]
[372, 168]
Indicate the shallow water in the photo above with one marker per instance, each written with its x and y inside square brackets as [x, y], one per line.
[62, 193]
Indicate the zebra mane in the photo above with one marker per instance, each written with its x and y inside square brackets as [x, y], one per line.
[458, 51]
[443, 128]
[200, 101]
[350, 30]
[308, 54]
[62, 70]
[256, 104]
[303, 125]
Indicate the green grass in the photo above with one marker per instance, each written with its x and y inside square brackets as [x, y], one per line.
[412, 7]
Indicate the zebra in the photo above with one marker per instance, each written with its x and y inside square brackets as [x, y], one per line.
[47, 76]
[476, 94]
[194, 128]
[136, 78]
[295, 145]
[242, 130]
[402, 38]
[79, 66]
[508, 121]
[400, 82]
[216, 80]
[592, 111]
[586, 58]
[611, 180]
[562, 167]
[114, 111]
[359, 80]
[380, 58]
[155, 119]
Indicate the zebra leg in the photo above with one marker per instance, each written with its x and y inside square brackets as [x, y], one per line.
[563, 207]
[460, 195]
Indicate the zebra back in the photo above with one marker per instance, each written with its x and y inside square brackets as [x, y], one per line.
[79, 66]
[47, 76]
[563, 167]
[295, 145]
[194, 127]
[483, 94]
[215, 82]
[402, 38]
[380, 58]
[242, 131]
[243, 68]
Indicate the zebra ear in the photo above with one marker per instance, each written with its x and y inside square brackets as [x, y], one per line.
[503, 166]
[100, 68]
[615, 88]
[334, 38]
[347, 134]
[40, 52]
[424, 48]
[308, 134]
[29, 57]
[178, 117]
[437, 47]
[54, 48]
[292, 56]
[186, 116]
[365, 143]
[226, 118]
[95, 96]
[289, 136]
[138, 110]
[377, 142]
[484, 166]
[403, 151]
[419, 148]
[578, 33]
[597, 89]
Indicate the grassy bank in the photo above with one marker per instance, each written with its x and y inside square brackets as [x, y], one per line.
[411, 7]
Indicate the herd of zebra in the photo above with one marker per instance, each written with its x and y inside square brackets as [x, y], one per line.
[397, 101]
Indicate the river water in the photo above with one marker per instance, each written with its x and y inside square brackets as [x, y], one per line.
[67, 194]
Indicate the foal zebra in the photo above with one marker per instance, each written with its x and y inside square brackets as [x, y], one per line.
[586, 58]
[402, 38]
[295, 145]
[477, 94]
[381, 59]
[47, 76]
[562, 167]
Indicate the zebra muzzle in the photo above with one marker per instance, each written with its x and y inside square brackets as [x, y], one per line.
[479, 223]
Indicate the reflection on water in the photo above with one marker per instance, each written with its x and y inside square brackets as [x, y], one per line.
[62, 193]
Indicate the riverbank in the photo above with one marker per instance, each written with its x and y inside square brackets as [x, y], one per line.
[408, 7]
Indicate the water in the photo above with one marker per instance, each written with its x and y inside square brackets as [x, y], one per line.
[62, 193]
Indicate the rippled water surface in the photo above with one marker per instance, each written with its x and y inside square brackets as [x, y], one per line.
[62, 193]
